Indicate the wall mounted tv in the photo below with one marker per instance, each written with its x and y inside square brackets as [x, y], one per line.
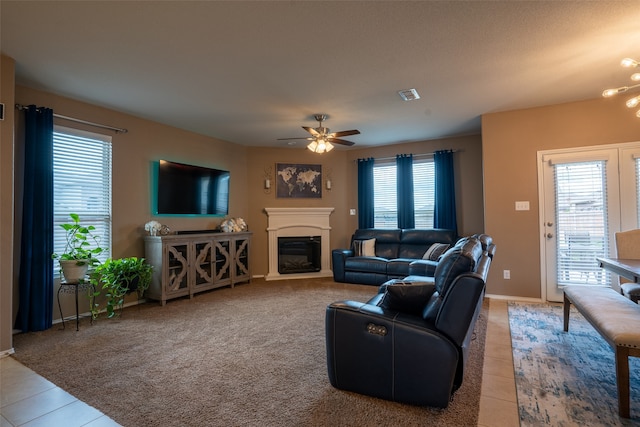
[181, 189]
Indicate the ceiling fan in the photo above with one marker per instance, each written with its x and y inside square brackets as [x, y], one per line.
[322, 139]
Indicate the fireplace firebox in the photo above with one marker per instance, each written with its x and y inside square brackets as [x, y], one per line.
[299, 254]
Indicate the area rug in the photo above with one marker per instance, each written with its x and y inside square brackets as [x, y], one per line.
[253, 355]
[565, 378]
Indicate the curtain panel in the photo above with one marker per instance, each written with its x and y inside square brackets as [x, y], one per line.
[36, 265]
[445, 197]
[365, 193]
[404, 182]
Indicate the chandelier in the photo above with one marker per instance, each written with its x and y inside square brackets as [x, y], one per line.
[635, 77]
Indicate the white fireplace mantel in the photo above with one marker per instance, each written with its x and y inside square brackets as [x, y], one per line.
[295, 222]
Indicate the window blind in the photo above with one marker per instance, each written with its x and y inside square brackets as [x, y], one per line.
[424, 192]
[581, 221]
[385, 194]
[82, 185]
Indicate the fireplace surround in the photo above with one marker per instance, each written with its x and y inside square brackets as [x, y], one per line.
[297, 222]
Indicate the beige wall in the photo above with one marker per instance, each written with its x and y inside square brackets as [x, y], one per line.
[341, 167]
[7, 85]
[510, 142]
[262, 162]
[468, 175]
[133, 153]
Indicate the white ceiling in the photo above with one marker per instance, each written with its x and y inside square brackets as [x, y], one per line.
[253, 72]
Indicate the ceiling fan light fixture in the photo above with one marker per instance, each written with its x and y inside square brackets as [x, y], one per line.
[409, 94]
[320, 146]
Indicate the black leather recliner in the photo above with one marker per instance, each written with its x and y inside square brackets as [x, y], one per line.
[411, 345]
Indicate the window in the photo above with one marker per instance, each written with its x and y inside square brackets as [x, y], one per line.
[81, 185]
[385, 194]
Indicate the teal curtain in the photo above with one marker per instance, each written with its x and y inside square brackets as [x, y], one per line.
[404, 182]
[365, 193]
[445, 197]
[36, 266]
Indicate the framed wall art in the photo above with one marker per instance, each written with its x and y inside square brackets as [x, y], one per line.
[295, 180]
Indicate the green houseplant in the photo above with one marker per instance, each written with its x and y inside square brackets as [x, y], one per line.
[80, 252]
[117, 278]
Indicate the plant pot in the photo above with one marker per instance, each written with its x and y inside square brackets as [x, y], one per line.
[73, 271]
[133, 285]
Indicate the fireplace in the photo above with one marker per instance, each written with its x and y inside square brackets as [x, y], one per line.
[298, 254]
[296, 225]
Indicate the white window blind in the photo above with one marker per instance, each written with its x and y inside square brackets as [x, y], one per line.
[424, 178]
[385, 211]
[385, 194]
[581, 222]
[81, 185]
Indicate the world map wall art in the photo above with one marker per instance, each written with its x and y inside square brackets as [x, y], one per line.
[298, 180]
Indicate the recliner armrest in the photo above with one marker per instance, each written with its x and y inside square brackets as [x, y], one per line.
[423, 267]
[338, 258]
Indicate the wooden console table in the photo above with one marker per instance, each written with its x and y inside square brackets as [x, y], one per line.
[185, 264]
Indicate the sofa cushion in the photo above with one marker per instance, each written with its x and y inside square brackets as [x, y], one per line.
[387, 240]
[366, 247]
[435, 251]
[415, 242]
[406, 297]
[456, 261]
[366, 264]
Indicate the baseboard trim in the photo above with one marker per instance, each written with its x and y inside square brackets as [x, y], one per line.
[7, 353]
[512, 298]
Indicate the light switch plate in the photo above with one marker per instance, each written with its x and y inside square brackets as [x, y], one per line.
[522, 206]
[352, 211]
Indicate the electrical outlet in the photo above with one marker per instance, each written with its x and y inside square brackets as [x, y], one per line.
[507, 274]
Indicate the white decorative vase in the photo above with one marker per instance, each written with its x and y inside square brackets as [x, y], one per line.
[72, 272]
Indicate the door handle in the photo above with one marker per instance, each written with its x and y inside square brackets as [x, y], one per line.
[549, 235]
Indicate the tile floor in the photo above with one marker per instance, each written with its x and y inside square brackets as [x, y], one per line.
[27, 399]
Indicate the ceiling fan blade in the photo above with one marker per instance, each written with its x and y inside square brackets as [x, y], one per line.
[287, 139]
[312, 131]
[340, 141]
[345, 133]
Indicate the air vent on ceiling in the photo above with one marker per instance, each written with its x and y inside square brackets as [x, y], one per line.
[408, 94]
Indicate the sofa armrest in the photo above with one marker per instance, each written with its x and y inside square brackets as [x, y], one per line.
[338, 258]
[423, 267]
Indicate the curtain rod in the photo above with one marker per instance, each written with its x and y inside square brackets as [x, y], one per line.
[414, 155]
[84, 122]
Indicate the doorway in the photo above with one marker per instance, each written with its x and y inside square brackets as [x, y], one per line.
[586, 195]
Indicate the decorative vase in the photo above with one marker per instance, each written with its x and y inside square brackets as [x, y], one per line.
[74, 271]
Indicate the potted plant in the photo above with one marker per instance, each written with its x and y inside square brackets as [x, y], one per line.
[81, 250]
[117, 278]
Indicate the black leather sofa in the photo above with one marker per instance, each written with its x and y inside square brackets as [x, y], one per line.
[395, 250]
[410, 342]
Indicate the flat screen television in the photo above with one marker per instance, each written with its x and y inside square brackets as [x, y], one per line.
[181, 189]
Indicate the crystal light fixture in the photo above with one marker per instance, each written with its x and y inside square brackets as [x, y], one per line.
[631, 102]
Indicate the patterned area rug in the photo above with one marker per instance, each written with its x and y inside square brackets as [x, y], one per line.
[566, 379]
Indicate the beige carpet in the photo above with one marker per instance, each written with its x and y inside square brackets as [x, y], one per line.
[253, 355]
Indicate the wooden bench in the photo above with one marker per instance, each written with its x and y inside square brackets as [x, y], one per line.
[617, 320]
